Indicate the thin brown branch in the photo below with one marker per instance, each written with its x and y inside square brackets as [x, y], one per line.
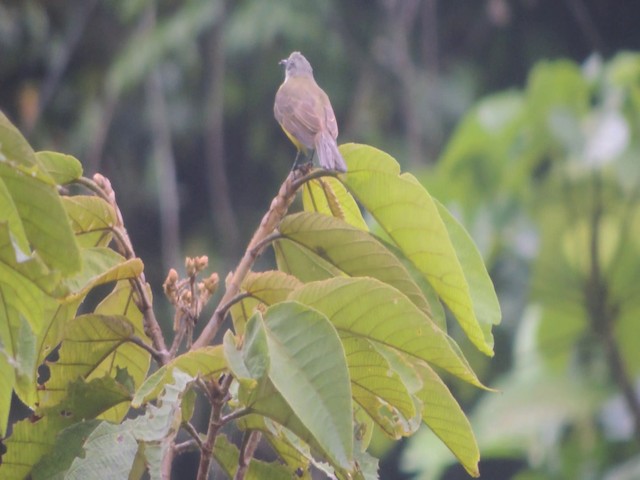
[191, 430]
[188, 446]
[270, 221]
[154, 353]
[249, 445]
[219, 400]
[102, 187]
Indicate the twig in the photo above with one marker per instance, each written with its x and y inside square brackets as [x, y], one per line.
[102, 187]
[220, 398]
[191, 430]
[249, 445]
[154, 353]
[188, 446]
[270, 221]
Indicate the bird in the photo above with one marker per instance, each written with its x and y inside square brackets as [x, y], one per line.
[304, 112]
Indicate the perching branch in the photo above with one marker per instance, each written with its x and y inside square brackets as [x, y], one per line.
[270, 221]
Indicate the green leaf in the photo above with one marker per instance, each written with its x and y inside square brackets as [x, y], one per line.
[102, 265]
[378, 389]
[296, 260]
[92, 219]
[35, 437]
[120, 443]
[352, 251]
[263, 287]
[34, 196]
[442, 413]
[483, 295]
[62, 168]
[329, 197]
[25, 283]
[302, 345]
[408, 214]
[203, 362]
[94, 346]
[370, 309]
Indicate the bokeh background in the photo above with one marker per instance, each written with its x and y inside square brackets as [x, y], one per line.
[522, 116]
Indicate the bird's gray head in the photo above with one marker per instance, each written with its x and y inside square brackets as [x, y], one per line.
[297, 66]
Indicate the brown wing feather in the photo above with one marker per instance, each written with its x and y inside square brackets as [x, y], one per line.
[299, 107]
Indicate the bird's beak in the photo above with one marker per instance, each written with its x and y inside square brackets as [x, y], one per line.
[283, 62]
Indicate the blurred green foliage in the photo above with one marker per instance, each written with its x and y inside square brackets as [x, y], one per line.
[521, 168]
[549, 177]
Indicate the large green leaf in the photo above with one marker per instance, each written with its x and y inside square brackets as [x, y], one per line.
[93, 346]
[408, 214]
[351, 250]
[290, 342]
[370, 309]
[34, 196]
[25, 282]
[35, 437]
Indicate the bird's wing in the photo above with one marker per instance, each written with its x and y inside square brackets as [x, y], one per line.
[299, 113]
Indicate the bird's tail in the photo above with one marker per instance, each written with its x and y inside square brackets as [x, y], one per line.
[329, 156]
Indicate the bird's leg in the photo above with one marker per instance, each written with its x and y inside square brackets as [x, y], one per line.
[295, 162]
[298, 164]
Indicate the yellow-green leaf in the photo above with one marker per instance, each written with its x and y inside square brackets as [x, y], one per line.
[370, 309]
[443, 415]
[93, 346]
[411, 218]
[352, 251]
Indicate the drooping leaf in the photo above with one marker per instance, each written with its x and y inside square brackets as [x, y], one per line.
[370, 309]
[102, 265]
[352, 251]
[408, 214]
[296, 260]
[442, 413]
